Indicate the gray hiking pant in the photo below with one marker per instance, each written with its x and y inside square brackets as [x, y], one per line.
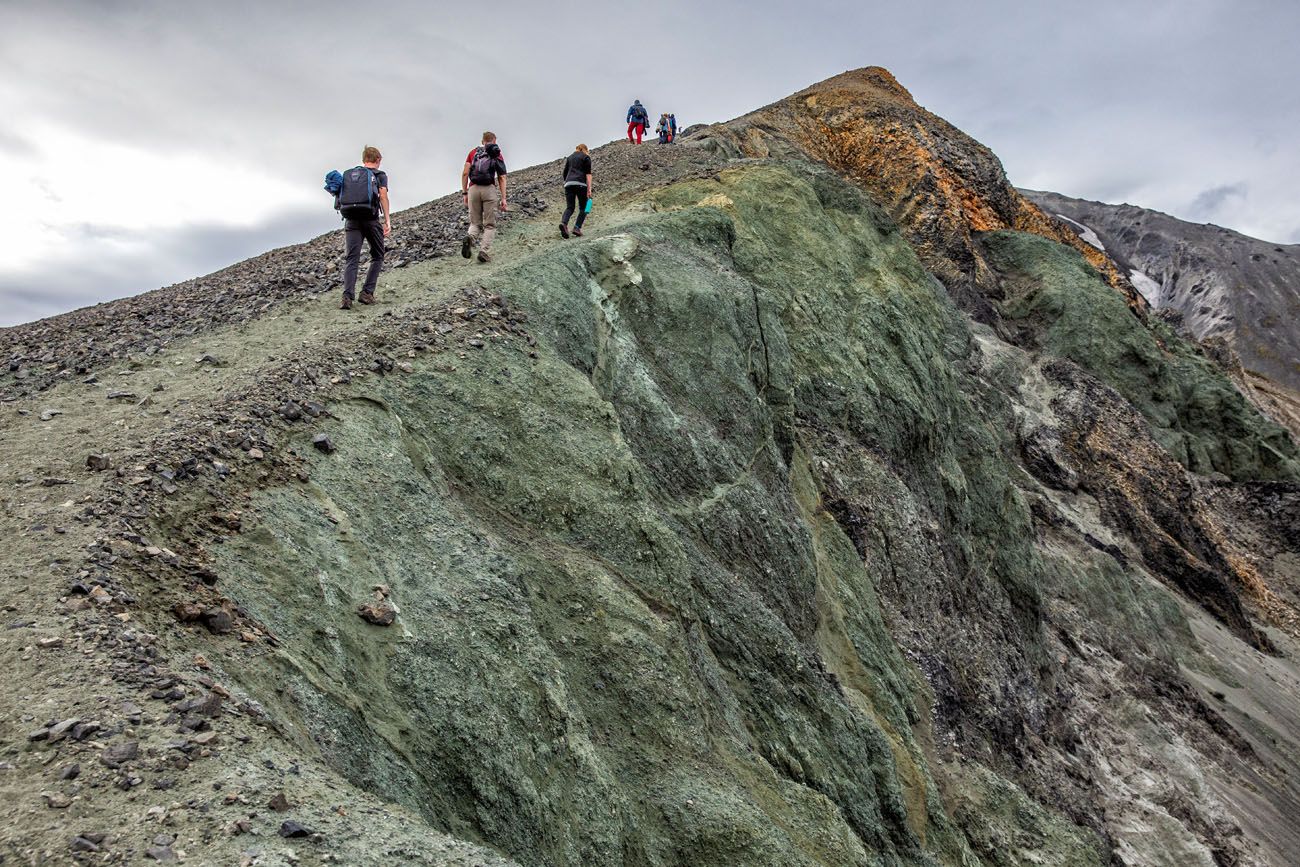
[483, 201]
[354, 233]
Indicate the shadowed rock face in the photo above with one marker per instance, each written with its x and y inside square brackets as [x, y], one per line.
[723, 535]
[1221, 285]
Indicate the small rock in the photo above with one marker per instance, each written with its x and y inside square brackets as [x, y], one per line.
[84, 730]
[71, 772]
[256, 454]
[207, 359]
[161, 853]
[100, 596]
[60, 730]
[290, 829]
[279, 803]
[218, 621]
[81, 844]
[52, 482]
[187, 612]
[56, 800]
[47, 414]
[208, 705]
[119, 754]
[378, 613]
[204, 739]
[49, 643]
[323, 443]
[38, 734]
[121, 395]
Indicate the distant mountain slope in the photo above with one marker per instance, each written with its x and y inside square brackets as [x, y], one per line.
[1224, 284]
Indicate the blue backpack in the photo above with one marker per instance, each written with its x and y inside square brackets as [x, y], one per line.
[358, 195]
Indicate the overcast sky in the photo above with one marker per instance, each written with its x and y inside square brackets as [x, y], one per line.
[147, 142]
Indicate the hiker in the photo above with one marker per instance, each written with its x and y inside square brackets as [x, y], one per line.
[672, 128]
[637, 120]
[483, 181]
[362, 199]
[577, 189]
[663, 130]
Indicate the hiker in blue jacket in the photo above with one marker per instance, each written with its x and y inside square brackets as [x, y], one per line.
[637, 119]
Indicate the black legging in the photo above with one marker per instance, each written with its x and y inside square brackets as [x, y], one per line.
[575, 197]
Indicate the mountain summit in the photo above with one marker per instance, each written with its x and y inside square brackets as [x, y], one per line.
[939, 184]
[827, 504]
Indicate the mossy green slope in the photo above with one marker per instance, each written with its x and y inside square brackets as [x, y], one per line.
[1195, 412]
[633, 628]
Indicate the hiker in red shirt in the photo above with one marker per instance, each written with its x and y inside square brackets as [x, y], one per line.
[484, 174]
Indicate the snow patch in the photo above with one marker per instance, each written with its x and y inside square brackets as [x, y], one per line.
[1088, 235]
[1149, 288]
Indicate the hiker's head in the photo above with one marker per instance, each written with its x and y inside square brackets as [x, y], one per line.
[582, 148]
[489, 137]
[371, 155]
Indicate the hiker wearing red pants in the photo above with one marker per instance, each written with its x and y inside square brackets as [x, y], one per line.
[637, 118]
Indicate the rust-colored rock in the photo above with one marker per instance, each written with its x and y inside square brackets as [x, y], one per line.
[378, 613]
[939, 184]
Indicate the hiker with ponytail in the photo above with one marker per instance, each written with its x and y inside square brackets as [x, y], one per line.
[577, 189]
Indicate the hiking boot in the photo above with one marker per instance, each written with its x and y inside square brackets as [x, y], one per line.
[347, 303]
[564, 231]
[366, 298]
[484, 256]
[465, 245]
[577, 233]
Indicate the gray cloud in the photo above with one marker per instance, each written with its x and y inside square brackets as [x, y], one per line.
[1209, 203]
[1105, 102]
[83, 276]
[15, 146]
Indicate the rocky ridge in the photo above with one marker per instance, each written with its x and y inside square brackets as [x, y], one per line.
[665, 546]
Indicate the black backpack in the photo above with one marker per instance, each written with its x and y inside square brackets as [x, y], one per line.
[359, 195]
[482, 171]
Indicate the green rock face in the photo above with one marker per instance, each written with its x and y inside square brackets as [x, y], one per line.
[1065, 308]
[633, 628]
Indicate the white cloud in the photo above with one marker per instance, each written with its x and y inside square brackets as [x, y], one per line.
[114, 198]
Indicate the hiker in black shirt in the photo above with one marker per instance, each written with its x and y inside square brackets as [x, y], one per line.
[577, 188]
[370, 229]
